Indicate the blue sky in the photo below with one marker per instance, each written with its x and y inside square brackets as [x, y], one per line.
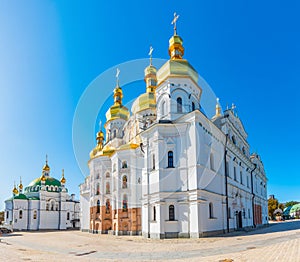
[50, 51]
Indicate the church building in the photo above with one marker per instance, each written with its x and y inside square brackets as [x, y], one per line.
[167, 170]
[44, 204]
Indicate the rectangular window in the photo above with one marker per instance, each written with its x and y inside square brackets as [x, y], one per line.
[7, 214]
[153, 162]
[241, 177]
[249, 212]
[234, 173]
[229, 212]
[247, 181]
[227, 169]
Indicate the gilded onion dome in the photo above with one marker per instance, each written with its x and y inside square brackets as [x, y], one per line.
[176, 66]
[148, 99]
[15, 190]
[117, 110]
[98, 148]
[46, 167]
[21, 185]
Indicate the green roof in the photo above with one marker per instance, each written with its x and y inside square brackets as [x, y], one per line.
[295, 208]
[50, 181]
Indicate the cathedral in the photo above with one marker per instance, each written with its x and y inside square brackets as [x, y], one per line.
[44, 204]
[166, 170]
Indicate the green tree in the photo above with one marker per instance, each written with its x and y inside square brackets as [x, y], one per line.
[272, 206]
[291, 203]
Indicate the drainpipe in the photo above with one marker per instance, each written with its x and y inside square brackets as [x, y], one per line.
[253, 195]
[226, 184]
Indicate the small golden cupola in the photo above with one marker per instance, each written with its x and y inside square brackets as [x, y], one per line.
[117, 110]
[218, 109]
[63, 179]
[176, 49]
[15, 190]
[147, 100]
[176, 66]
[150, 75]
[20, 186]
[46, 168]
[100, 142]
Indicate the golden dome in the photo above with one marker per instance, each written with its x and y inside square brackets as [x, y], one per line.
[117, 111]
[43, 178]
[144, 101]
[46, 167]
[176, 49]
[15, 190]
[21, 186]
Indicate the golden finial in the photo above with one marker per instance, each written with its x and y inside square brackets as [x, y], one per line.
[63, 180]
[174, 22]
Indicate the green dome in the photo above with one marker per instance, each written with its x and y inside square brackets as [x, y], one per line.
[50, 181]
[20, 196]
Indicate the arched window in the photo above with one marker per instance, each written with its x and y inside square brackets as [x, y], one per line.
[179, 105]
[171, 213]
[163, 108]
[211, 158]
[68, 216]
[98, 189]
[107, 206]
[107, 188]
[154, 213]
[233, 140]
[98, 206]
[193, 106]
[34, 214]
[20, 214]
[125, 203]
[124, 182]
[52, 205]
[114, 133]
[211, 207]
[170, 159]
[47, 206]
[243, 150]
[124, 164]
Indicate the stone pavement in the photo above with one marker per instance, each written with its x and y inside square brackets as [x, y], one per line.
[278, 242]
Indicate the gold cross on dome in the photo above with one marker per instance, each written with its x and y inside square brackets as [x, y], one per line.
[174, 21]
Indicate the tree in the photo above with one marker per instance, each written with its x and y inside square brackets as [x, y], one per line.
[281, 206]
[272, 206]
[291, 203]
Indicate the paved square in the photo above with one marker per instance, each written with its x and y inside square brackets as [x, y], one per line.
[278, 242]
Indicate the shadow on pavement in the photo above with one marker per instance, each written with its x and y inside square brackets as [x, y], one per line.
[272, 227]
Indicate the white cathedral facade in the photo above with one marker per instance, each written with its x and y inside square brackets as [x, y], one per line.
[167, 170]
[43, 205]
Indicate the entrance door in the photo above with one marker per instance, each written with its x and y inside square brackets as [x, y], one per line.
[239, 220]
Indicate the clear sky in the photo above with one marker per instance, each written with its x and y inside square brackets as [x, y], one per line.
[50, 51]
